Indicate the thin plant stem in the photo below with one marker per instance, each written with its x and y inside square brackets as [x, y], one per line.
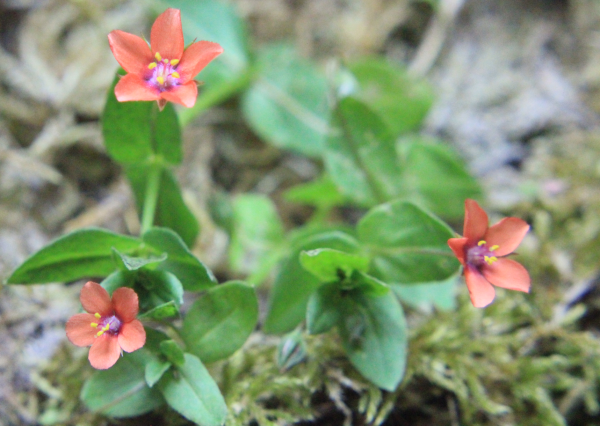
[151, 196]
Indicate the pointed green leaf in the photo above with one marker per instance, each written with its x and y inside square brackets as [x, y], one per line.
[121, 391]
[220, 321]
[408, 244]
[194, 275]
[441, 294]
[374, 335]
[193, 393]
[81, 254]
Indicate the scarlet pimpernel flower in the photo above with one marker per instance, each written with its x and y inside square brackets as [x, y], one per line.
[109, 325]
[163, 71]
[482, 252]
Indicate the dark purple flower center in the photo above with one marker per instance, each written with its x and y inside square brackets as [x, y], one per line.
[110, 325]
[480, 254]
[164, 74]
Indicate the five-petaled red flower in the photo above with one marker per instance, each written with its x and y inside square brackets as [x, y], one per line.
[482, 253]
[109, 326]
[164, 71]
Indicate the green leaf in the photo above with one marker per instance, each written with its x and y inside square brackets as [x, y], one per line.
[287, 104]
[220, 321]
[368, 285]
[440, 294]
[332, 265]
[173, 352]
[435, 177]
[161, 312]
[294, 285]
[171, 210]
[121, 391]
[291, 350]
[193, 393]
[321, 193]
[154, 371]
[194, 275]
[361, 156]
[407, 244]
[155, 288]
[80, 254]
[132, 263]
[218, 22]
[257, 231]
[323, 308]
[400, 99]
[135, 131]
[374, 335]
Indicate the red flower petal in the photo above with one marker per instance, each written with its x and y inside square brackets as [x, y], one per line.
[481, 291]
[458, 247]
[132, 336]
[184, 95]
[507, 273]
[196, 57]
[131, 51]
[166, 36]
[95, 299]
[125, 303]
[507, 234]
[133, 88]
[476, 221]
[79, 329]
[104, 352]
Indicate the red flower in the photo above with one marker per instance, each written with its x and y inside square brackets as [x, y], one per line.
[109, 326]
[482, 253]
[164, 71]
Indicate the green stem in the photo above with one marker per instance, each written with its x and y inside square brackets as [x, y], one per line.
[151, 196]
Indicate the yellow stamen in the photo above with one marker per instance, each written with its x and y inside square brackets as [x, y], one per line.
[175, 74]
[160, 79]
[97, 315]
[494, 247]
[94, 324]
[480, 243]
[100, 333]
[166, 61]
[152, 65]
[174, 62]
[158, 57]
[490, 259]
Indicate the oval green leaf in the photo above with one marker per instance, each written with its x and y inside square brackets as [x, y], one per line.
[220, 321]
[194, 393]
[287, 105]
[407, 244]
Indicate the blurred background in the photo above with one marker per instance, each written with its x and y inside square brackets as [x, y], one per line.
[514, 87]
